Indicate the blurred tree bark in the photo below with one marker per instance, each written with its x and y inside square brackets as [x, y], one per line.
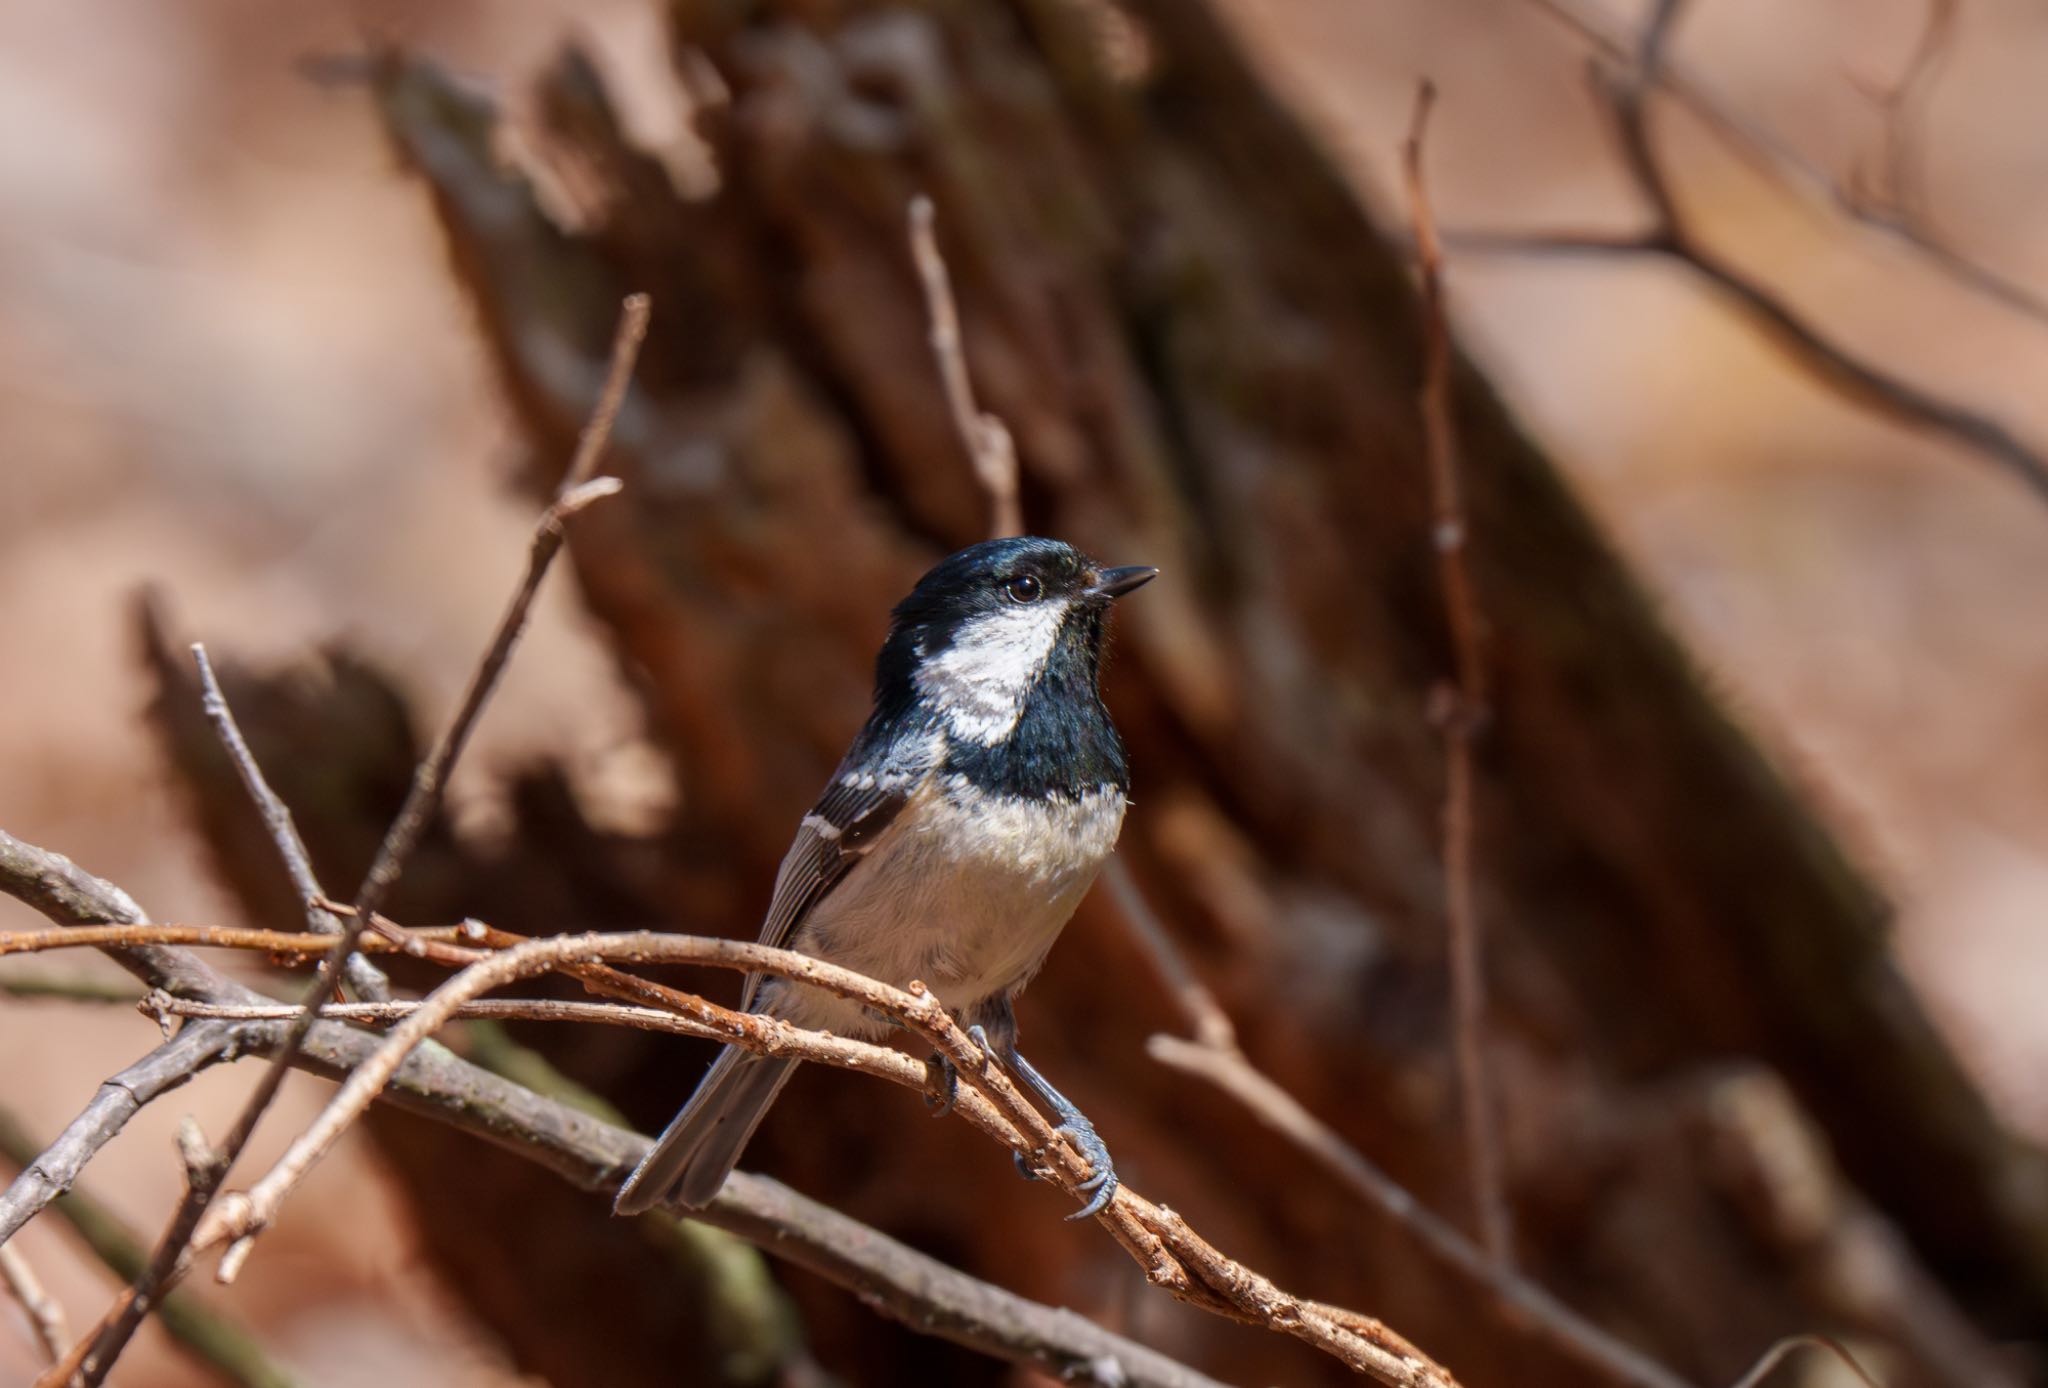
[1723, 1106]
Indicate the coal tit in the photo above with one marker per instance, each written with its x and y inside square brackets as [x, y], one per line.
[952, 844]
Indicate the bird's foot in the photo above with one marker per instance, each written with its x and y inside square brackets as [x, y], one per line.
[1073, 1125]
[945, 1077]
[1101, 1185]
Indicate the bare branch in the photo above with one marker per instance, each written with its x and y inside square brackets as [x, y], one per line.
[687, 1015]
[934, 1299]
[1211, 1024]
[366, 978]
[578, 489]
[45, 1315]
[1172, 1255]
[420, 805]
[430, 943]
[1278, 1110]
[1856, 380]
[66, 893]
[1217, 1059]
[1763, 150]
[205, 1332]
[925, 1294]
[1783, 1350]
[989, 445]
[423, 799]
[484, 1010]
[1462, 712]
[1196, 1274]
[52, 1172]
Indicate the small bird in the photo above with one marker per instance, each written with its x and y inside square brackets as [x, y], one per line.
[965, 824]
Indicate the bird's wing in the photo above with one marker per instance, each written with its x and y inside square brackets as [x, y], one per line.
[839, 831]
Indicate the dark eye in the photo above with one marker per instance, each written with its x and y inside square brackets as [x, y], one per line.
[1023, 588]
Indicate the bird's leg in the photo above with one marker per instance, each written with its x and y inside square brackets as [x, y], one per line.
[979, 1036]
[1075, 1127]
[1072, 1123]
[946, 1076]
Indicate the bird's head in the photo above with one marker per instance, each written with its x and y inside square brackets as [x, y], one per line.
[987, 626]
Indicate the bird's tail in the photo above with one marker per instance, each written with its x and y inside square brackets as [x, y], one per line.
[704, 1143]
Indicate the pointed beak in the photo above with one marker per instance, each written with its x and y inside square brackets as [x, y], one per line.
[1114, 583]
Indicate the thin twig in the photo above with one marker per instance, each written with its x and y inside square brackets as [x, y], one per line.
[1215, 1057]
[488, 1009]
[366, 978]
[1860, 382]
[67, 988]
[1549, 1318]
[1764, 151]
[1462, 715]
[209, 1334]
[578, 489]
[989, 445]
[425, 943]
[1783, 1350]
[1211, 1024]
[933, 1299]
[68, 894]
[1900, 187]
[45, 1315]
[51, 1172]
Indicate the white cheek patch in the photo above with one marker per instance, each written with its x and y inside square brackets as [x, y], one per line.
[980, 682]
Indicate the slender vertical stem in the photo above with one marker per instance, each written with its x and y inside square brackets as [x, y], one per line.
[1461, 713]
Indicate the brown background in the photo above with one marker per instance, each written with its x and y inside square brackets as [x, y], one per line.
[233, 366]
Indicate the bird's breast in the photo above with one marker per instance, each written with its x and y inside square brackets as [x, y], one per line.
[1031, 839]
[968, 889]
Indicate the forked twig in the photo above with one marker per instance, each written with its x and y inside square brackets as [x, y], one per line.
[578, 489]
[1763, 150]
[366, 978]
[207, 1333]
[1834, 366]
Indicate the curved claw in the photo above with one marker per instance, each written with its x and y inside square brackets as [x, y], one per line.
[1104, 1182]
[1100, 1187]
[947, 1077]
